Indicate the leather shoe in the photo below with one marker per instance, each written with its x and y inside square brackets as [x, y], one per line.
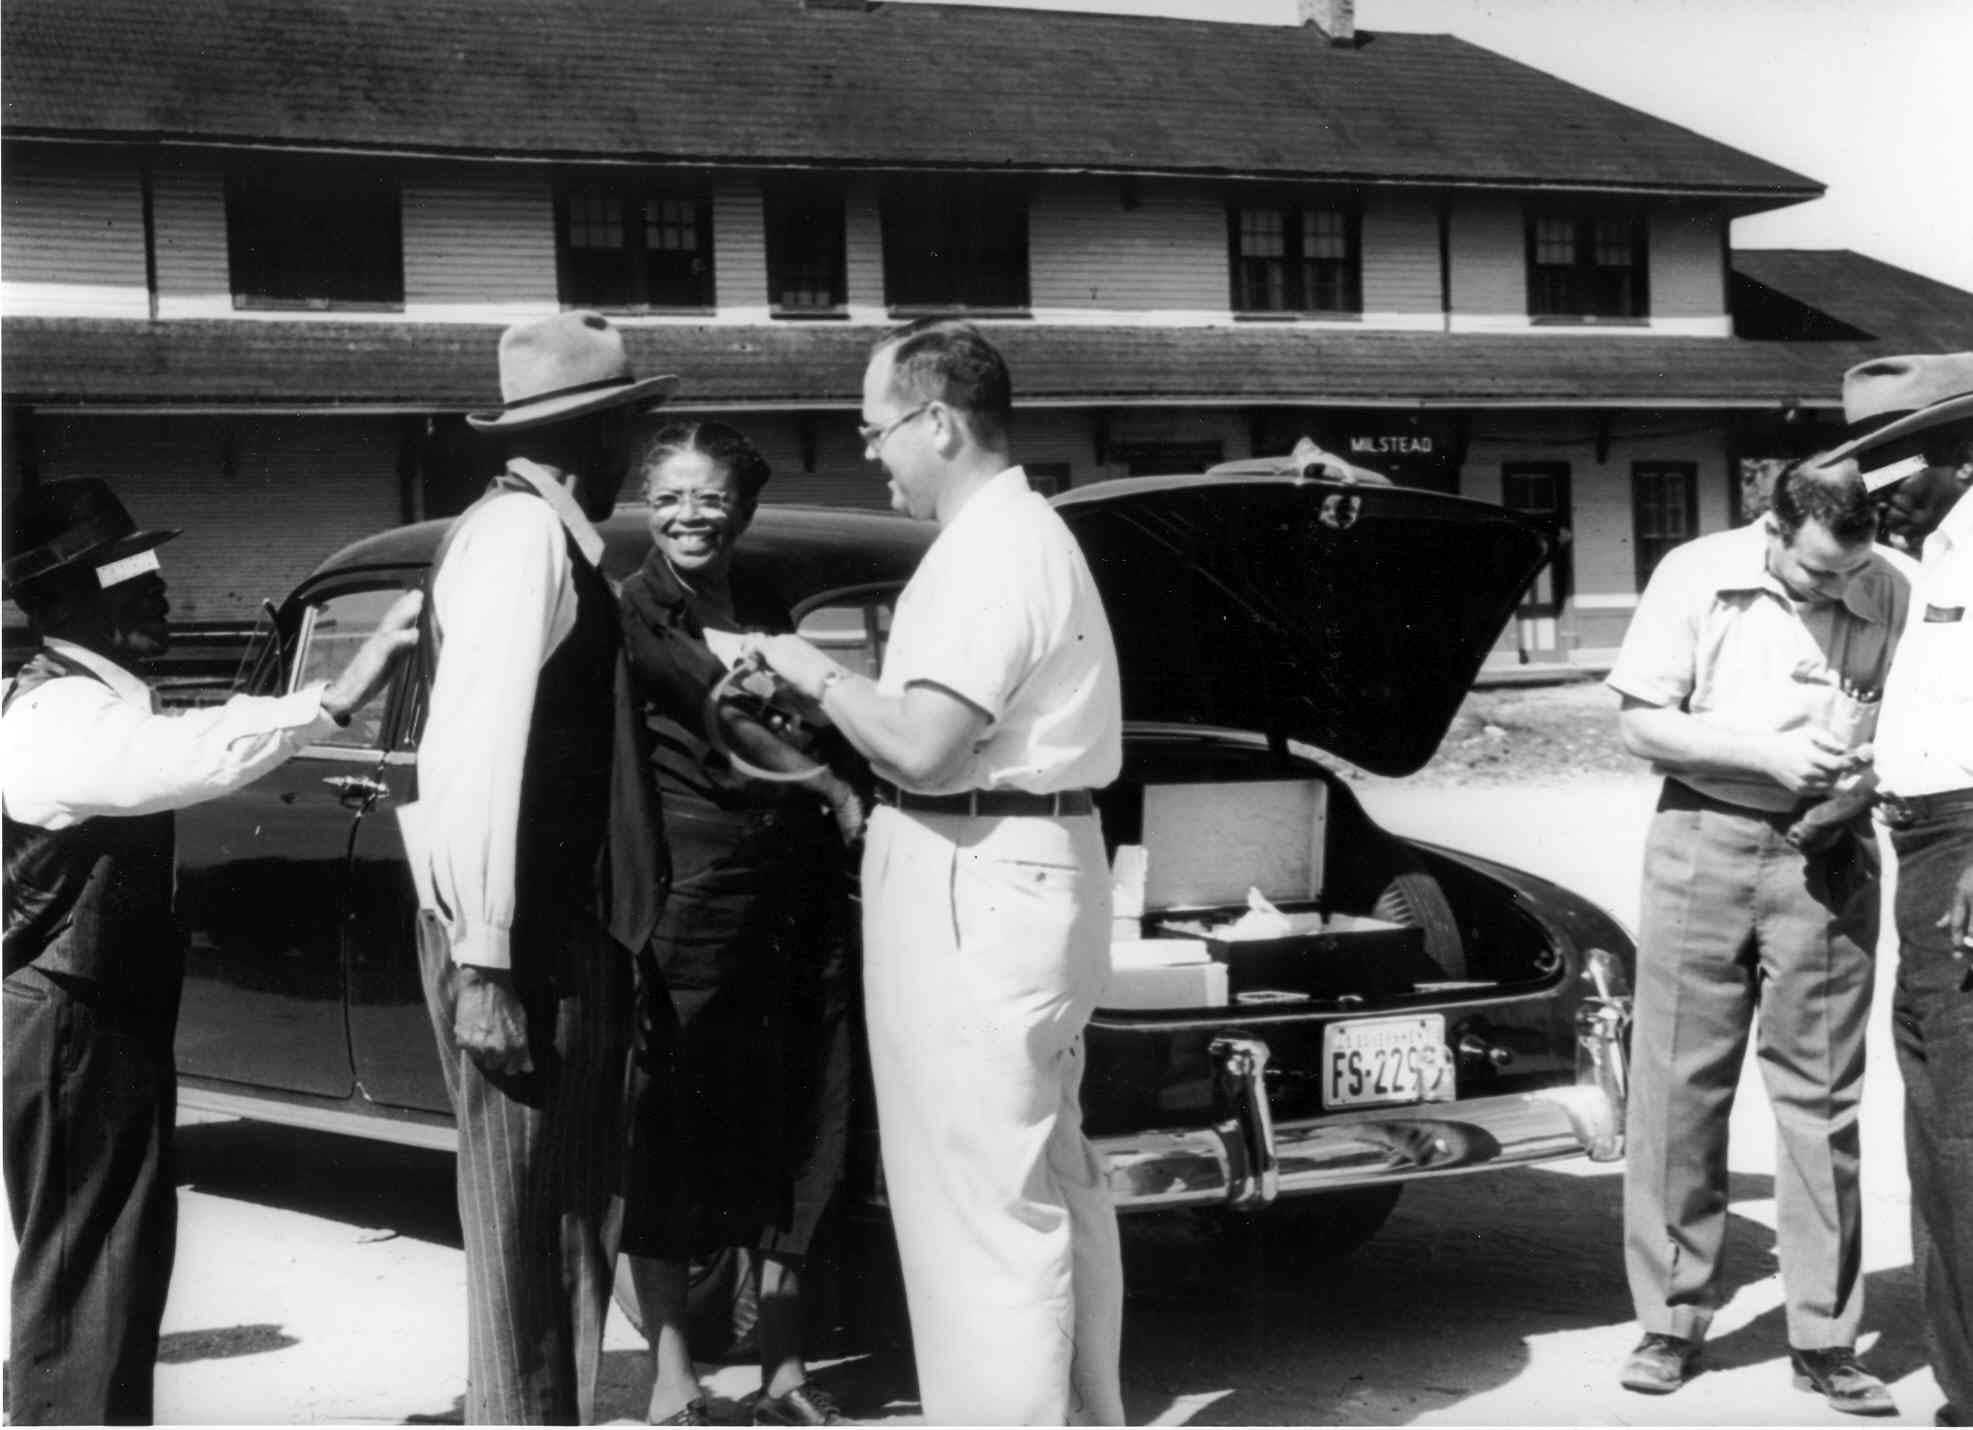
[1836, 1375]
[804, 1405]
[1660, 1364]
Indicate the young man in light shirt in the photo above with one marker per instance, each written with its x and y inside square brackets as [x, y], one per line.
[986, 900]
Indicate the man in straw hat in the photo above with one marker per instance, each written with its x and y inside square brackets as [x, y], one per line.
[94, 962]
[533, 846]
[1912, 441]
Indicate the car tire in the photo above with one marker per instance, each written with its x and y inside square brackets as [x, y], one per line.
[1300, 1231]
[722, 1305]
[1411, 896]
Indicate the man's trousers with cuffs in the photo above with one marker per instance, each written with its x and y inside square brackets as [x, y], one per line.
[986, 946]
[1932, 1023]
[1742, 933]
[540, 1180]
[90, 1102]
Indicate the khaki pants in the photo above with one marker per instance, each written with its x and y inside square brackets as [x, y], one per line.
[986, 945]
[1741, 932]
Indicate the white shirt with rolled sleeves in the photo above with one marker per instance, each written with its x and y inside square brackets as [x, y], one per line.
[1925, 733]
[503, 602]
[76, 748]
[1003, 612]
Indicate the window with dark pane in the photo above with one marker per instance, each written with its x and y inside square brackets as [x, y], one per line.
[956, 241]
[1296, 259]
[805, 252]
[1586, 266]
[1664, 511]
[623, 244]
[315, 234]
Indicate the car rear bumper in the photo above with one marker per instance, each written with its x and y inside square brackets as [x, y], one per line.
[1246, 1161]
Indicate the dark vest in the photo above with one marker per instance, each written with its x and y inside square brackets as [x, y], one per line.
[93, 901]
[563, 850]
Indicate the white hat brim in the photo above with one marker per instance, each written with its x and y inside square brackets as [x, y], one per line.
[1939, 414]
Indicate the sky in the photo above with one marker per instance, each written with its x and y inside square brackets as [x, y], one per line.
[1873, 98]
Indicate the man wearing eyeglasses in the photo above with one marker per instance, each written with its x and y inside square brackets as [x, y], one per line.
[986, 900]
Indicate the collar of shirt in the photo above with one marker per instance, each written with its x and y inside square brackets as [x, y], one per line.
[1745, 568]
[587, 539]
[126, 686]
[999, 489]
[1955, 533]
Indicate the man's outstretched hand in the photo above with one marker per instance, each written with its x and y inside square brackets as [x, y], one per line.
[371, 666]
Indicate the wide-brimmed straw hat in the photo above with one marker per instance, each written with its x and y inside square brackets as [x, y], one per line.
[1889, 404]
[63, 525]
[570, 365]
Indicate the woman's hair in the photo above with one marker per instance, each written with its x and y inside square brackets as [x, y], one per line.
[724, 446]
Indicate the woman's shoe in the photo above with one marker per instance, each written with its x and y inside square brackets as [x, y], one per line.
[804, 1405]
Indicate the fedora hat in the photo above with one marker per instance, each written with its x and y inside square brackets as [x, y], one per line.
[57, 526]
[1890, 403]
[569, 365]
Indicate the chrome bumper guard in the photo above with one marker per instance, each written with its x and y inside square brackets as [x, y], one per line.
[1246, 1160]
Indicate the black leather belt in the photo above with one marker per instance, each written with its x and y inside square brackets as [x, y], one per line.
[1898, 813]
[989, 803]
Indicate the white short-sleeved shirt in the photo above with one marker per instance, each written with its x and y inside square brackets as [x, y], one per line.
[1003, 612]
[1717, 636]
[1925, 736]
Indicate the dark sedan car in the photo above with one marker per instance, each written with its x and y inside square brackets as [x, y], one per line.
[1412, 1012]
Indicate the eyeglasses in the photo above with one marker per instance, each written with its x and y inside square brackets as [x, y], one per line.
[667, 500]
[874, 437]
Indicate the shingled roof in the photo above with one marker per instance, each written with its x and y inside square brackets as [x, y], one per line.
[449, 367]
[775, 83]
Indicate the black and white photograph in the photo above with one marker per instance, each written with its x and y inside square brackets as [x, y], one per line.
[987, 712]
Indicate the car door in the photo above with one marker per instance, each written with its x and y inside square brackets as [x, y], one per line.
[263, 874]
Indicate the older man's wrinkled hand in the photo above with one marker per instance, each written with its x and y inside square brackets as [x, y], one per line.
[489, 1024]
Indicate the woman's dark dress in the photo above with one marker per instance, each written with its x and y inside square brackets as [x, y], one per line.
[753, 945]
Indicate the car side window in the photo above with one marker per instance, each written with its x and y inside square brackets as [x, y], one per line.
[331, 630]
[854, 631]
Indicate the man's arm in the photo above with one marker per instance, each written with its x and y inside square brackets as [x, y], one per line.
[75, 750]
[496, 601]
[914, 739]
[1803, 761]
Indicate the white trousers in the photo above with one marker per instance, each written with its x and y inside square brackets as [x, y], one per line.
[985, 947]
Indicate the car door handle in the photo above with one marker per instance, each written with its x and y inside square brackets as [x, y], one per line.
[358, 791]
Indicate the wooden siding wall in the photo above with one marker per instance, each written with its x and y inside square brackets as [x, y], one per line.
[189, 217]
[74, 226]
[479, 243]
[1163, 250]
[1688, 259]
[1401, 255]
[1489, 257]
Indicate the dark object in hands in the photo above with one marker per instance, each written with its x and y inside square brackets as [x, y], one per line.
[753, 690]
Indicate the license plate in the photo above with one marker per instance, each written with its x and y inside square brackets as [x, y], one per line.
[1379, 1060]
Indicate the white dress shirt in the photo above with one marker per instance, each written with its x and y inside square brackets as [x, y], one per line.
[76, 748]
[1003, 612]
[503, 602]
[1925, 734]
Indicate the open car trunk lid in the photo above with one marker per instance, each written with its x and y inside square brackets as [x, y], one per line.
[1349, 617]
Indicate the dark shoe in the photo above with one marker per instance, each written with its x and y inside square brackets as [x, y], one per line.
[1837, 1377]
[693, 1412]
[1661, 1364]
[1948, 1415]
[804, 1405]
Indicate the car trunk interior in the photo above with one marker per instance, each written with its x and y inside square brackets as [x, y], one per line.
[1378, 930]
